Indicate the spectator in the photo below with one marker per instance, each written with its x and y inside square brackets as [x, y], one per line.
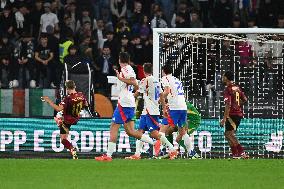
[149, 49]
[85, 30]
[4, 4]
[244, 50]
[73, 60]
[183, 11]
[223, 14]
[22, 20]
[65, 27]
[53, 43]
[64, 44]
[71, 11]
[168, 6]
[125, 46]
[118, 9]
[23, 58]
[35, 17]
[195, 21]
[137, 13]
[7, 21]
[85, 18]
[204, 9]
[180, 21]
[86, 50]
[48, 18]
[138, 57]
[280, 21]
[158, 21]
[112, 44]
[122, 28]
[99, 34]
[145, 28]
[7, 75]
[104, 66]
[44, 57]
[56, 8]
[236, 22]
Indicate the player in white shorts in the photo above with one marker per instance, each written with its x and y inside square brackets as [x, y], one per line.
[150, 87]
[177, 108]
[125, 110]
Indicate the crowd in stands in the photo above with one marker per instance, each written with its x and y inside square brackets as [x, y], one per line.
[38, 36]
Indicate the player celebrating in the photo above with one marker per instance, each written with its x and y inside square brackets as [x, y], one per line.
[149, 120]
[124, 112]
[234, 98]
[177, 113]
[71, 106]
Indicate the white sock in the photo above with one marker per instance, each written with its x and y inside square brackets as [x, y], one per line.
[146, 138]
[165, 141]
[139, 145]
[111, 147]
[187, 142]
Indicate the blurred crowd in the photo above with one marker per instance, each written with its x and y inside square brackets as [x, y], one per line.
[38, 36]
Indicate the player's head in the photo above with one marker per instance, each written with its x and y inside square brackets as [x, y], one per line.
[148, 68]
[70, 85]
[167, 69]
[228, 76]
[124, 58]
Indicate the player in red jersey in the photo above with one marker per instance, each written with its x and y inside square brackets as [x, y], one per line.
[234, 99]
[71, 107]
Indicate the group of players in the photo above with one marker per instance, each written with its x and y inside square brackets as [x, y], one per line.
[178, 115]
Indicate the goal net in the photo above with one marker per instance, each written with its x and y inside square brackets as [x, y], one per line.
[200, 56]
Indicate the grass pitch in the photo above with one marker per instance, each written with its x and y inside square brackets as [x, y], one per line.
[176, 174]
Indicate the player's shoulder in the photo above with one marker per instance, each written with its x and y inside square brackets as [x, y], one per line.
[127, 69]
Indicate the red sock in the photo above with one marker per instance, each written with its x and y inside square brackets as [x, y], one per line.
[234, 150]
[240, 149]
[67, 144]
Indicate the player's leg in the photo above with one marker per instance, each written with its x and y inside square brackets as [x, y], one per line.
[182, 128]
[230, 137]
[130, 131]
[139, 143]
[64, 131]
[235, 121]
[114, 127]
[111, 147]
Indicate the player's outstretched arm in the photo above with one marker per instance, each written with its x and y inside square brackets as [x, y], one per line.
[52, 104]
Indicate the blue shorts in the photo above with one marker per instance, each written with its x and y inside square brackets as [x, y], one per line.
[178, 117]
[149, 123]
[123, 115]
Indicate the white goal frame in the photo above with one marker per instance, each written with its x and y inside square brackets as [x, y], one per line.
[156, 31]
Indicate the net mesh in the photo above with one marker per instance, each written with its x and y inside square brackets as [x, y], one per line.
[199, 61]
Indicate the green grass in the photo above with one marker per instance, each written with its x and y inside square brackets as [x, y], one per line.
[144, 174]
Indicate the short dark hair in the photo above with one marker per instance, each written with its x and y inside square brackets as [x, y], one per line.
[70, 84]
[229, 75]
[124, 57]
[167, 68]
[148, 68]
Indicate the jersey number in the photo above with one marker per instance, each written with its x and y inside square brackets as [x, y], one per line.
[157, 92]
[238, 98]
[179, 88]
[76, 109]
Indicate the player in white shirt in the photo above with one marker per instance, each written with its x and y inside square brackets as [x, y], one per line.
[150, 87]
[177, 108]
[125, 110]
